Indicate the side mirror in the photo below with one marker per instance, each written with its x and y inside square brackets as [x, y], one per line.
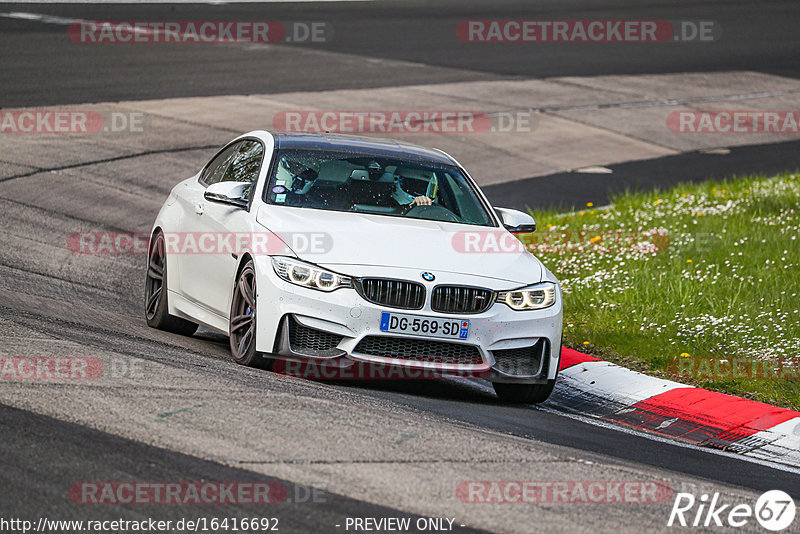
[516, 221]
[232, 193]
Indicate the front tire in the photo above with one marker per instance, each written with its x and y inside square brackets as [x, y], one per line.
[528, 393]
[155, 292]
[242, 326]
[524, 393]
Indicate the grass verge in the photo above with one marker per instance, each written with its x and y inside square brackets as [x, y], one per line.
[698, 284]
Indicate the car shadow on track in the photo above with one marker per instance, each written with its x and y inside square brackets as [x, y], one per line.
[450, 388]
[446, 389]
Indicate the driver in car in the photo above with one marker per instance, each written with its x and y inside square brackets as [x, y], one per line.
[415, 188]
[299, 186]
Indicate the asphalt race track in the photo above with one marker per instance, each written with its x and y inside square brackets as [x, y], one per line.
[172, 408]
[408, 31]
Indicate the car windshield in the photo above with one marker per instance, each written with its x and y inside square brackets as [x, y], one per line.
[345, 181]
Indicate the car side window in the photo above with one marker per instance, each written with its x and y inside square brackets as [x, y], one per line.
[246, 164]
[216, 169]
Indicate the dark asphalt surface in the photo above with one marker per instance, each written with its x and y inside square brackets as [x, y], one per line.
[568, 190]
[40, 66]
[47, 68]
[468, 404]
[67, 454]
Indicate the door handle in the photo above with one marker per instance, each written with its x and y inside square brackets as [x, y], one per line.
[198, 208]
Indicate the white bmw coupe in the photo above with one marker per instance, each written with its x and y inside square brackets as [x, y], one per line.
[327, 248]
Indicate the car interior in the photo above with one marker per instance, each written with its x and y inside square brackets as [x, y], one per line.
[374, 186]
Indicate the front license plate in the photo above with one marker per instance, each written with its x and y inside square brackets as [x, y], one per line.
[424, 326]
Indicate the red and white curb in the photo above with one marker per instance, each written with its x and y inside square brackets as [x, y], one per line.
[596, 388]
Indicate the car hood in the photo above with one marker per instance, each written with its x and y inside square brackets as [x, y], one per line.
[333, 239]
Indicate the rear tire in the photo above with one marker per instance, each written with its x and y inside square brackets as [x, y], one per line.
[155, 292]
[524, 393]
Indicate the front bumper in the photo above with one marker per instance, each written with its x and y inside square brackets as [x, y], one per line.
[503, 345]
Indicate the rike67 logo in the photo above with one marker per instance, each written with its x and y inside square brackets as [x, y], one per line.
[774, 511]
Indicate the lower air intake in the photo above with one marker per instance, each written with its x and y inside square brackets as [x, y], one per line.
[312, 342]
[420, 350]
[525, 361]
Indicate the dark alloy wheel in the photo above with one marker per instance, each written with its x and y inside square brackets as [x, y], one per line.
[155, 292]
[243, 318]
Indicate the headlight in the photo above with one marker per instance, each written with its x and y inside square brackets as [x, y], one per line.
[531, 298]
[308, 275]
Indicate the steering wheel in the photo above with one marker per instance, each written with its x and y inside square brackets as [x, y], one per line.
[431, 213]
[301, 182]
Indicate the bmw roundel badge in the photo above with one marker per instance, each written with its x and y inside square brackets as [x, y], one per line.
[428, 277]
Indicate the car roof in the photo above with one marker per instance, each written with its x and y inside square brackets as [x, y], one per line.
[368, 146]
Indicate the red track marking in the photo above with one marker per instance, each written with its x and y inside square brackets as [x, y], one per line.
[571, 357]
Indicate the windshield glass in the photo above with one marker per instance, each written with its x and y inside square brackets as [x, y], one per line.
[341, 181]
